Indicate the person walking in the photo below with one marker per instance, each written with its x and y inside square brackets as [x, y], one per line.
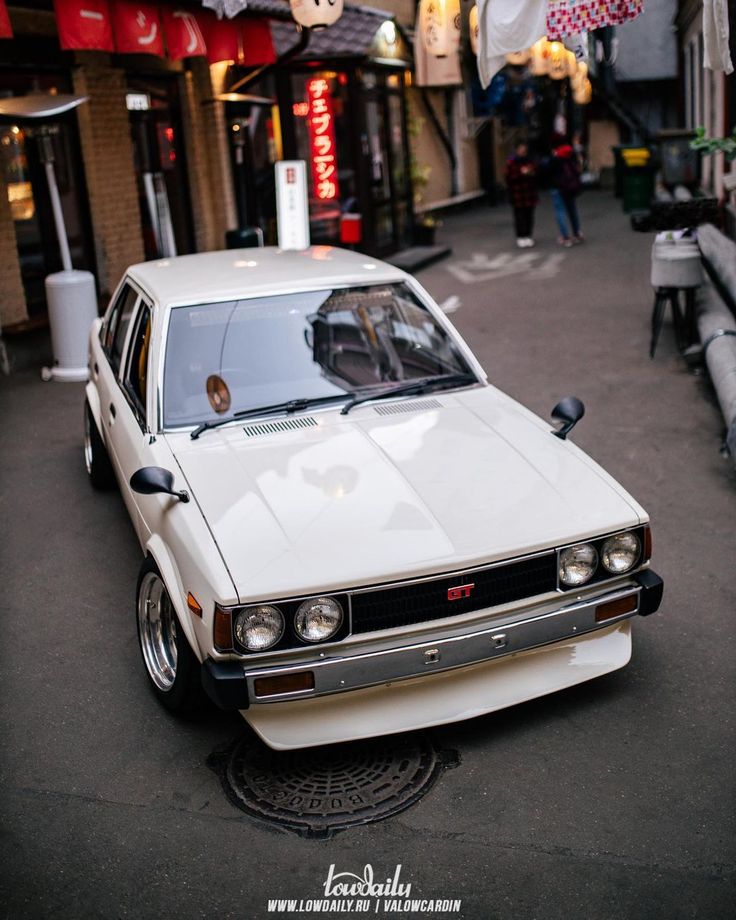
[521, 182]
[565, 178]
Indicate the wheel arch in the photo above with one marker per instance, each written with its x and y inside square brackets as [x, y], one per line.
[156, 550]
[93, 400]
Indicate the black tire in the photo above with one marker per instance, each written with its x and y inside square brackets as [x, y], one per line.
[96, 458]
[173, 671]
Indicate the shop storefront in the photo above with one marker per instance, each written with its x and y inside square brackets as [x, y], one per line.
[341, 107]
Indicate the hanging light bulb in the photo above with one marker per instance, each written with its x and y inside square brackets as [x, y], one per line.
[439, 22]
[316, 14]
[474, 28]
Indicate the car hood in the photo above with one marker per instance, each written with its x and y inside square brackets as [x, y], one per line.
[444, 483]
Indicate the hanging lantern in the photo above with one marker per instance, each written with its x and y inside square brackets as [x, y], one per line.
[557, 63]
[539, 57]
[316, 14]
[583, 94]
[580, 76]
[474, 28]
[519, 58]
[439, 21]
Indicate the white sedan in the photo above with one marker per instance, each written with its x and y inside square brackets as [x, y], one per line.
[347, 530]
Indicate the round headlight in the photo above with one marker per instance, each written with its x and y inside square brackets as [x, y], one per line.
[577, 564]
[318, 619]
[259, 628]
[620, 553]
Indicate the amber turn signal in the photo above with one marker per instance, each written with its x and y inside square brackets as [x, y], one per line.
[223, 634]
[616, 608]
[647, 543]
[194, 605]
[284, 683]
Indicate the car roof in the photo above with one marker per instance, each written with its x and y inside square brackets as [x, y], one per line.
[239, 273]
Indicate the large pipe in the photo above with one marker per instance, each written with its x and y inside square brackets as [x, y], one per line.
[717, 328]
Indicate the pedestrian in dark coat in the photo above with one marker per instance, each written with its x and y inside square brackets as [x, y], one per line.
[521, 182]
[565, 176]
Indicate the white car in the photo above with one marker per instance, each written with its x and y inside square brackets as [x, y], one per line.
[347, 530]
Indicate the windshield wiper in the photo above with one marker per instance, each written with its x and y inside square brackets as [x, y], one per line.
[420, 385]
[292, 405]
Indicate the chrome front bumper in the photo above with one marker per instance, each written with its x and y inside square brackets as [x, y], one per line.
[506, 636]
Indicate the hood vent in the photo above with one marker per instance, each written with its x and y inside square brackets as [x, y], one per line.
[400, 407]
[285, 424]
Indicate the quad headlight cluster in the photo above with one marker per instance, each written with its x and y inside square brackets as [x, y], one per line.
[616, 555]
[261, 627]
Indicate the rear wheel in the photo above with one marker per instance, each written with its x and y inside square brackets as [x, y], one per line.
[172, 667]
[96, 458]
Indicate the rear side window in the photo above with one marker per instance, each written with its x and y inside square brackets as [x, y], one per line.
[117, 326]
[136, 378]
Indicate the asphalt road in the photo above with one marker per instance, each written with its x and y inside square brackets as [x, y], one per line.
[610, 800]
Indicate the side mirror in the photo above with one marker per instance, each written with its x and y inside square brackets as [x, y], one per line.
[569, 411]
[152, 479]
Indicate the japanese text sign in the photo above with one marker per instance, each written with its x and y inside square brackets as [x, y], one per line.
[322, 147]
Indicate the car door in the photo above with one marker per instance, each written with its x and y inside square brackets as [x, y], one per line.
[113, 338]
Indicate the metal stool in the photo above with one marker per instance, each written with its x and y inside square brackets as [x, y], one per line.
[684, 324]
[676, 267]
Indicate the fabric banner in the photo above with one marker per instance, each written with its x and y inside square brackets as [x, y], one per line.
[137, 28]
[182, 33]
[84, 25]
[221, 36]
[506, 26]
[6, 30]
[566, 17]
[257, 43]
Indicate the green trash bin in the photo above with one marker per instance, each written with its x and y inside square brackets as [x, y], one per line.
[637, 179]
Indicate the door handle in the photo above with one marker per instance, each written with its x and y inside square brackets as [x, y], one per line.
[113, 413]
[97, 370]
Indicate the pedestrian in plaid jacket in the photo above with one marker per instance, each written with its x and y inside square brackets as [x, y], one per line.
[521, 182]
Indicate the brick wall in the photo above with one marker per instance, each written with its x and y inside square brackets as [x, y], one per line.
[12, 296]
[208, 166]
[107, 150]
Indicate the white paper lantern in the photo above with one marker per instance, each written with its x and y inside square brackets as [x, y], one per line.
[581, 75]
[539, 57]
[582, 94]
[439, 21]
[474, 28]
[316, 14]
[557, 62]
[519, 58]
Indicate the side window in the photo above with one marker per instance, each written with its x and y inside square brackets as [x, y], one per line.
[117, 326]
[136, 377]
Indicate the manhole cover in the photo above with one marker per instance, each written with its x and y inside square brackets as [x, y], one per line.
[319, 791]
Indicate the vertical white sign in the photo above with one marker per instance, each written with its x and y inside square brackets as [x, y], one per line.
[292, 209]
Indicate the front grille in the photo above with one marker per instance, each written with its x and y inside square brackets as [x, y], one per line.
[404, 605]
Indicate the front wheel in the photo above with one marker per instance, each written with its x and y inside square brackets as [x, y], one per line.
[172, 667]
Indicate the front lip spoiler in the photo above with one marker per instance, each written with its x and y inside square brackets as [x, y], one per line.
[232, 684]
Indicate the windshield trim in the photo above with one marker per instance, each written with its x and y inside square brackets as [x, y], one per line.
[400, 278]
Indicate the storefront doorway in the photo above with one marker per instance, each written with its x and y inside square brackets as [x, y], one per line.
[28, 191]
[158, 149]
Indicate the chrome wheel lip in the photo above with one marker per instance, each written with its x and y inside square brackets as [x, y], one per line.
[87, 442]
[157, 630]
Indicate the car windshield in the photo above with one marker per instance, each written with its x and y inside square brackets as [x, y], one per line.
[223, 358]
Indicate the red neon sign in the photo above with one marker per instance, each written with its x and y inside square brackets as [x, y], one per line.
[322, 140]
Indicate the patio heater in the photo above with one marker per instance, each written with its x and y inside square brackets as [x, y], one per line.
[70, 294]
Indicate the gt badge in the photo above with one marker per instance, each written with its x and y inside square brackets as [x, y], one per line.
[455, 594]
